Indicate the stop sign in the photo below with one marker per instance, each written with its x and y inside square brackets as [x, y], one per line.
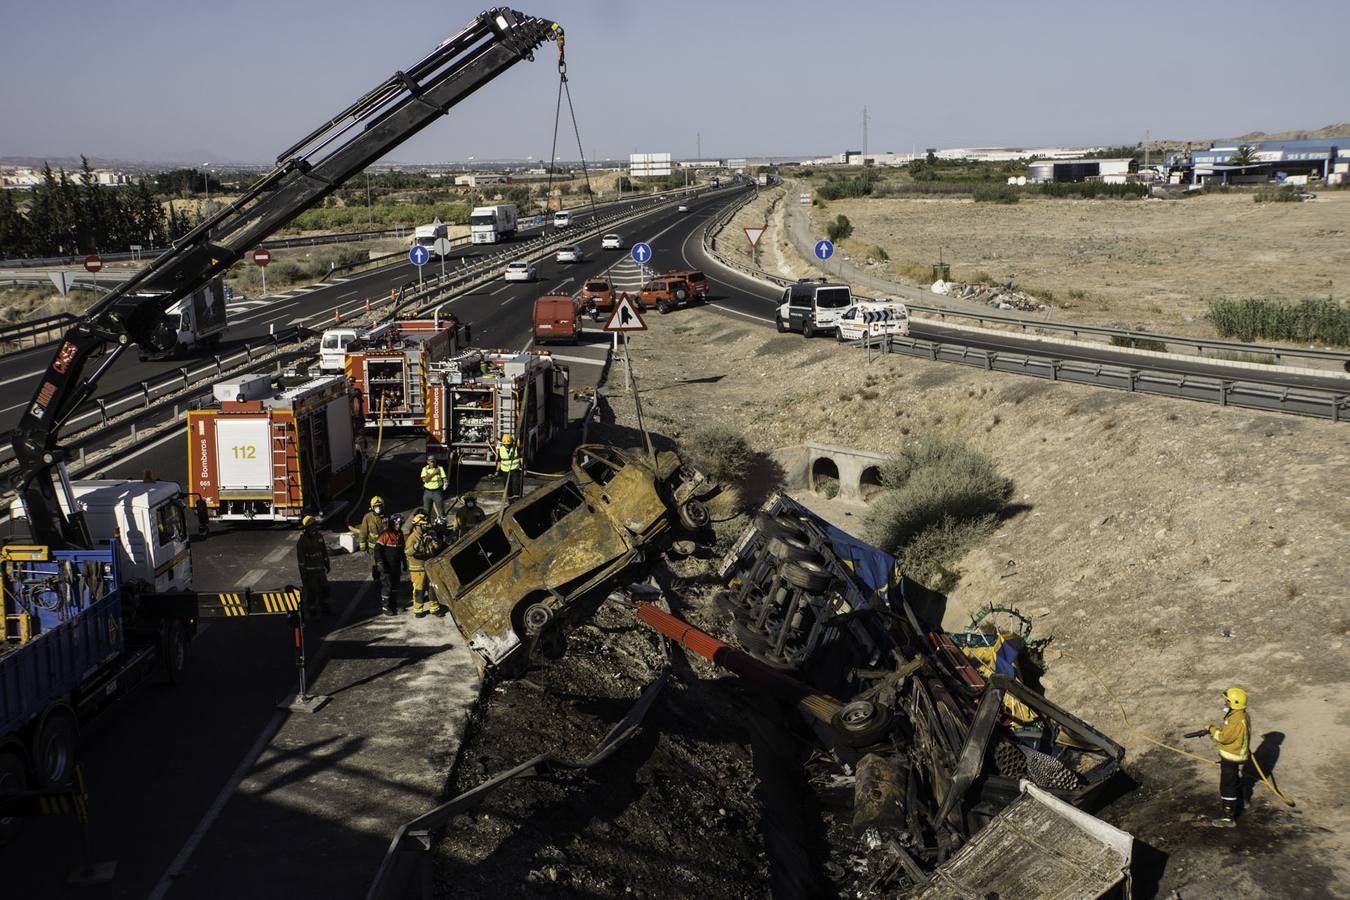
[92, 263]
[261, 257]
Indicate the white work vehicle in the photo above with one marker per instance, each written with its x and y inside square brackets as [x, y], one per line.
[812, 306]
[428, 235]
[611, 242]
[872, 319]
[492, 224]
[562, 219]
[197, 321]
[333, 349]
[146, 520]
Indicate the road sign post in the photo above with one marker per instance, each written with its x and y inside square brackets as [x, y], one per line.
[419, 256]
[92, 265]
[261, 257]
[442, 248]
[625, 318]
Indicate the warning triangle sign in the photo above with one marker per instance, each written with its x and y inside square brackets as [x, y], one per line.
[625, 316]
[753, 234]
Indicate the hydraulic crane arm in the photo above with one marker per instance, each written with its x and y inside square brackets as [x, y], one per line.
[313, 168]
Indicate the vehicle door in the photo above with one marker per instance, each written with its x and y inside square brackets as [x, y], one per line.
[801, 303]
[829, 302]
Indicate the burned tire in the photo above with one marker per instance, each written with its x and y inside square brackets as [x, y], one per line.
[790, 547]
[806, 574]
[862, 723]
[778, 526]
[173, 650]
[694, 515]
[536, 618]
[54, 746]
[13, 780]
[753, 641]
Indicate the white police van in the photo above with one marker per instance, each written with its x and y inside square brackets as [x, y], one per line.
[812, 306]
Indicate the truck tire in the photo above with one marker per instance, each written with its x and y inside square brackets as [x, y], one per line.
[806, 574]
[808, 330]
[54, 745]
[173, 651]
[794, 548]
[693, 515]
[779, 526]
[780, 325]
[13, 780]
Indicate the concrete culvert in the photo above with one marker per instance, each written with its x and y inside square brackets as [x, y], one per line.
[869, 483]
[825, 477]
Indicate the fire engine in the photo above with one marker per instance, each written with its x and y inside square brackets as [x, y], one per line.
[272, 455]
[388, 364]
[478, 397]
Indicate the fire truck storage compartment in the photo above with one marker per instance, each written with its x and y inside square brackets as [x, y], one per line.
[242, 447]
[387, 384]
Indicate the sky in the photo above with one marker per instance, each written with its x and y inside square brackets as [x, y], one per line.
[191, 81]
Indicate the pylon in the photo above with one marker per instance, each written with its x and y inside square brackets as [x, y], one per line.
[367, 304]
[337, 316]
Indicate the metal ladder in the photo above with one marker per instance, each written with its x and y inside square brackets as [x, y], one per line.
[281, 474]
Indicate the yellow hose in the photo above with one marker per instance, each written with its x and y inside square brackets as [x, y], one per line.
[370, 466]
[1152, 740]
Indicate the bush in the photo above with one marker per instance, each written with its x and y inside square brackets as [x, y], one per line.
[719, 451]
[1312, 321]
[839, 229]
[1093, 190]
[877, 252]
[1278, 194]
[994, 193]
[941, 496]
[1139, 344]
[837, 188]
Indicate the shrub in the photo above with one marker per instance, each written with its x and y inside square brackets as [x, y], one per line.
[837, 188]
[719, 451]
[877, 252]
[1139, 344]
[839, 229]
[941, 496]
[994, 193]
[1311, 321]
[1278, 194]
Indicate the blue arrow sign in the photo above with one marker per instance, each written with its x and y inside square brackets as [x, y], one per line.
[419, 256]
[642, 253]
[824, 249]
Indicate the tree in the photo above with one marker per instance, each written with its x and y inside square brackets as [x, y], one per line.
[1243, 156]
[839, 229]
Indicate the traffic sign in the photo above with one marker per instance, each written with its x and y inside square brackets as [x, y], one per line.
[753, 235]
[261, 257]
[625, 316]
[804, 199]
[92, 263]
[442, 247]
[642, 254]
[824, 250]
[419, 256]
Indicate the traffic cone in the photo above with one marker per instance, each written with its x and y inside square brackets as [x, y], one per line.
[367, 304]
[337, 316]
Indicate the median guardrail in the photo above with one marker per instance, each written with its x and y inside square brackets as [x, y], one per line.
[38, 331]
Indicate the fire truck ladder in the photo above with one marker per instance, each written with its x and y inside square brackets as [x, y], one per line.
[281, 458]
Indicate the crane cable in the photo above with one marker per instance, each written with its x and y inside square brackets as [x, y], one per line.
[1120, 707]
[564, 87]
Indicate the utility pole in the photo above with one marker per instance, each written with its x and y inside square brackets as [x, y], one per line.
[864, 159]
[699, 155]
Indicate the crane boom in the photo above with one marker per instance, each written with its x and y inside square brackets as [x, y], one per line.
[311, 169]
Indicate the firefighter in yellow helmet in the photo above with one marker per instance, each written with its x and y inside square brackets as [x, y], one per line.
[311, 554]
[423, 543]
[368, 532]
[1234, 742]
[511, 466]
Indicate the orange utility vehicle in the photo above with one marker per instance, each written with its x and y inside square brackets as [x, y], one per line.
[664, 292]
[388, 367]
[557, 319]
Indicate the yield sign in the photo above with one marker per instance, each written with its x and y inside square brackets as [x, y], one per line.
[753, 235]
[625, 317]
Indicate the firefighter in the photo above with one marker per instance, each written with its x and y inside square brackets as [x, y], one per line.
[423, 543]
[434, 480]
[1233, 740]
[510, 465]
[312, 555]
[390, 561]
[369, 530]
[467, 516]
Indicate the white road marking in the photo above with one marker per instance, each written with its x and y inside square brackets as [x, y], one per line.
[500, 289]
[251, 577]
[560, 284]
[578, 359]
[276, 555]
[739, 313]
[21, 377]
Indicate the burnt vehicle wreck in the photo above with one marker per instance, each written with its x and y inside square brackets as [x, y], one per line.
[511, 579]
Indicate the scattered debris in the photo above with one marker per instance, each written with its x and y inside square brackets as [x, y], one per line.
[998, 296]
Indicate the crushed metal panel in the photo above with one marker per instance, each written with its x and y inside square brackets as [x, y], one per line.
[1039, 846]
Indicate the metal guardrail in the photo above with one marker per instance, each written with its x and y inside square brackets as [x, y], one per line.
[46, 327]
[1248, 394]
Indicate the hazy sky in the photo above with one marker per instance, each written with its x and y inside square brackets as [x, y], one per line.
[189, 80]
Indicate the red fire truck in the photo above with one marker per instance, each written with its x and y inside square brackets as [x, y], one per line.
[388, 367]
[272, 455]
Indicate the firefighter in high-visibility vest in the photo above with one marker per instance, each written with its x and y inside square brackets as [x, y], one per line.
[434, 480]
[1234, 742]
[423, 543]
[511, 466]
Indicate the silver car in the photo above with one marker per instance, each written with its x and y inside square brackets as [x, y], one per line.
[570, 254]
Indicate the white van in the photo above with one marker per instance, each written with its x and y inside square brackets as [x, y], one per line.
[812, 306]
[333, 350]
[562, 219]
[872, 318]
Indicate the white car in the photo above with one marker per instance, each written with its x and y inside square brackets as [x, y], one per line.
[875, 319]
[520, 270]
[684, 207]
[611, 242]
[570, 254]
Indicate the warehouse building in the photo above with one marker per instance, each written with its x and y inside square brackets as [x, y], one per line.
[1111, 171]
[1291, 162]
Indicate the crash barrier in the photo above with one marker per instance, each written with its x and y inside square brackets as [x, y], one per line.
[146, 410]
[1221, 391]
[411, 847]
[40, 331]
[1250, 392]
[832, 471]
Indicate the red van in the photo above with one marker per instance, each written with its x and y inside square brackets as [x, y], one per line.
[557, 318]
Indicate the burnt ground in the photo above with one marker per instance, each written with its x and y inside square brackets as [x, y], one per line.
[705, 801]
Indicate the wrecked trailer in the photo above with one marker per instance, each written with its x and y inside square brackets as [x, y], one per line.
[508, 581]
[936, 739]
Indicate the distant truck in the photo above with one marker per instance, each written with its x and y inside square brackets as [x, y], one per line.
[194, 323]
[765, 179]
[268, 455]
[492, 224]
[428, 235]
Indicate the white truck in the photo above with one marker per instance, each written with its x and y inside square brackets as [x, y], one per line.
[197, 321]
[492, 224]
[428, 235]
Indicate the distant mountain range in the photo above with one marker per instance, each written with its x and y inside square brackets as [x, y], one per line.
[1321, 134]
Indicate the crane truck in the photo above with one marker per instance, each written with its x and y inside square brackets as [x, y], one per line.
[77, 623]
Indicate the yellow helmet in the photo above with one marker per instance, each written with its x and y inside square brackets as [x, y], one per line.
[375, 501]
[507, 440]
[308, 521]
[1237, 697]
[419, 515]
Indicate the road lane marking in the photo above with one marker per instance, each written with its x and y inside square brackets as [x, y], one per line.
[500, 289]
[276, 555]
[21, 377]
[739, 313]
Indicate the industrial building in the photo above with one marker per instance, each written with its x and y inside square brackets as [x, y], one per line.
[1286, 162]
[1111, 171]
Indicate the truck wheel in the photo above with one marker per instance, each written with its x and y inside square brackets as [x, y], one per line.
[779, 526]
[58, 734]
[780, 325]
[806, 574]
[173, 647]
[693, 515]
[663, 307]
[13, 780]
[808, 331]
[861, 723]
